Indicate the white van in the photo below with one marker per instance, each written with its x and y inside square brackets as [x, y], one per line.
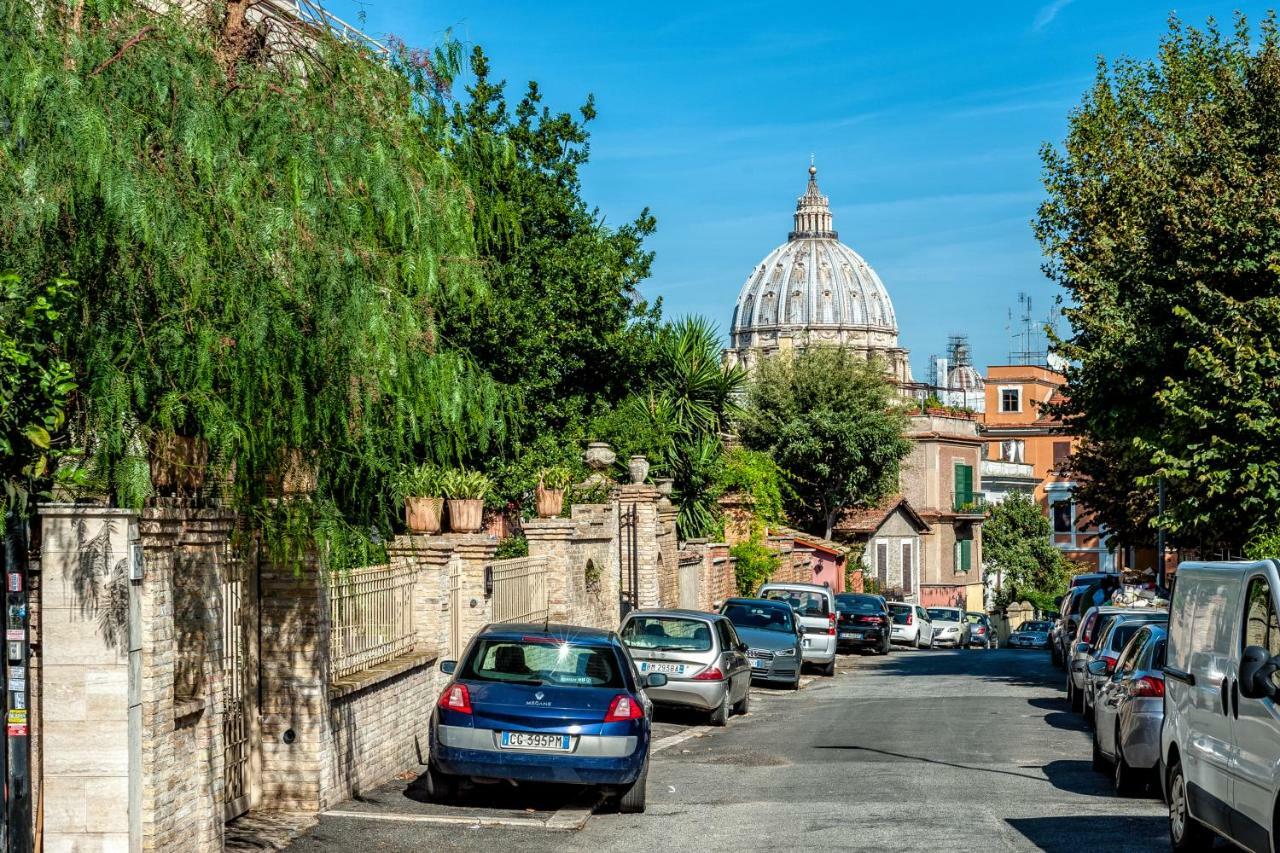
[816, 607]
[1220, 745]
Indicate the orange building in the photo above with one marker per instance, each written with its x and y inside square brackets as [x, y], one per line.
[1016, 429]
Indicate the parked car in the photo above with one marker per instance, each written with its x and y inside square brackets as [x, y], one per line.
[1064, 630]
[1031, 635]
[863, 622]
[816, 605]
[544, 704]
[701, 655]
[980, 631]
[949, 627]
[1220, 741]
[773, 634]
[1094, 620]
[911, 625]
[1129, 711]
[1107, 647]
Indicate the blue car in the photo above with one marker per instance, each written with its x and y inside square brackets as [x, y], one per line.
[544, 703]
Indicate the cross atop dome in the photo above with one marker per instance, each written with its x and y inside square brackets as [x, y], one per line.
[813, 211]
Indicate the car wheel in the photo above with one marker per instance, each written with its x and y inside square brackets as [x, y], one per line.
[441, 787]
[887, 647]
[743, 705]
[1074, 697]
[1186, 834]
[631, 799]
[795, 685]
[1126, 778]
[1100, 762]
[918, 644]
[829, 670]
[720, 716]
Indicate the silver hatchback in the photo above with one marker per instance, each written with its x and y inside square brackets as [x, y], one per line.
[700, 654]
[1129, 711]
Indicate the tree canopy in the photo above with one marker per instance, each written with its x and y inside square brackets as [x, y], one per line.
[1017, 543]
[831, 420]
[1162, 224]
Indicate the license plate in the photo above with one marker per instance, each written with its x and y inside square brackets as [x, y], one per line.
[756, 663]
[851, 635]
[533, 740]
[659, 666]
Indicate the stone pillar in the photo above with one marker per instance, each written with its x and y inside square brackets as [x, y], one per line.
[432, 557]
[553, 538]
[739, 517]
[91, 709]
[476, 551]
[668, 554]
[638, 515]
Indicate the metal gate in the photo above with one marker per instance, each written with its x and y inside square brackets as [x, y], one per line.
[240, 731]
[456, 640]
[519, 589]
[690, 578]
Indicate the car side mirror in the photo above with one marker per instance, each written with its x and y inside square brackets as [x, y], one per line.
[715, 605]
[655, 679]
[1256, 669]
[1097, 668]
[448, 666]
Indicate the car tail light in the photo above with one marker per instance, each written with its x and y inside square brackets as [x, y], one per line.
[831, 624]
[456, 697]
[910, 619]
[623, 708]
[1147, 687]
[711, 673]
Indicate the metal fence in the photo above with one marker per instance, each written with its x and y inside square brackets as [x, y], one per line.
[519, 589]
[371, 617]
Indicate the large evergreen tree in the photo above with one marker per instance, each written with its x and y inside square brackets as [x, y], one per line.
[1017, 543]
[1162, 224]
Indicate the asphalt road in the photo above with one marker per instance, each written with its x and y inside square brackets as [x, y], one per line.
[942, 751]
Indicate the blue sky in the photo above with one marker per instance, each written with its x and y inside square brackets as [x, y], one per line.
[926, 121]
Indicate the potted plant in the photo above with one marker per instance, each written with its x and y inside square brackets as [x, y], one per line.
[549, 496]
[421, 487]
[465, 491]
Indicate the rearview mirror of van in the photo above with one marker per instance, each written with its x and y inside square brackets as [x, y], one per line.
[1256, 669]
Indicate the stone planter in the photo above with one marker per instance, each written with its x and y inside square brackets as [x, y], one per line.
[665, 485]
[423, 515]
[638, 468]
[550, 502]
[599, 456]
[466, 515]
[177, 463]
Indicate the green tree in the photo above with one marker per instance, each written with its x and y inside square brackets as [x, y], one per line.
[831, 420]
[1017, 543]
[1162, 226]
[563, 322]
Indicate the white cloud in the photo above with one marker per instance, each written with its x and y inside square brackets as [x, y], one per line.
[1048, 12]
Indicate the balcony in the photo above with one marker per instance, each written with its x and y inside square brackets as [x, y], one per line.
[970, 504]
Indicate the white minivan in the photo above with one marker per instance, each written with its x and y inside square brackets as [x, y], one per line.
[816, 607]
[1220, 745]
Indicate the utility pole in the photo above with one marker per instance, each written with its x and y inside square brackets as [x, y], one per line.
[17, 734]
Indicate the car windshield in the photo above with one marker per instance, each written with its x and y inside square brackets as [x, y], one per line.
[765, 616]
[667, 633]
[858, 604]
[539, 661]
[805, 602]
[944, 613]
[1035, 626]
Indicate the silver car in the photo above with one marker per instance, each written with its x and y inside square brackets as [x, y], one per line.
[700, 654]
[1031, 635]
[1093, 622]
[816, 607]
[950, 628]
[1108, 647]
[1129, 711]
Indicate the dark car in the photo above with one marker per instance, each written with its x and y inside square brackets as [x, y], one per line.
[544, 703]
[773, 635]
[864, 622]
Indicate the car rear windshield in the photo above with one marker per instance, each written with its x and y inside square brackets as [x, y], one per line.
[805, 602]
[945, 614]
[667, 633]
[976, 618]
[858, 604]
[541, 662]
[764, 616]
[1123, 633]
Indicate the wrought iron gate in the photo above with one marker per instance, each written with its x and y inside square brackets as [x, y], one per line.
[240, 730]
[456, 640]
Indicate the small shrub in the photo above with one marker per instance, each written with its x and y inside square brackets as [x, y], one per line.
[512, 546]
[755, 565]
[556, 478]
[460, 484]
[419, 481]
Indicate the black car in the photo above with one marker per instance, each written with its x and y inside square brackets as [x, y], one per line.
[864, 622]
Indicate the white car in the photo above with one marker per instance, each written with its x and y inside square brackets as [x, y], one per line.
[911, 625]
[815, 606]
[950, 627]
[1220, 743]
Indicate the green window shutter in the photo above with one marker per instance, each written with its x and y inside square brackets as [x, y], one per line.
[966, 554]
[964, 483]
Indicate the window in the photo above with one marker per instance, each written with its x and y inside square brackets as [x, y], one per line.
[882, 563]
[1062, 517]
[543, 661]
[963, 484]
[1129, 657]
[1061, 453]
[1013, 450]
[672, 634]
[1260, 628]
[1010, 399]
[964, 555]
[907, 567]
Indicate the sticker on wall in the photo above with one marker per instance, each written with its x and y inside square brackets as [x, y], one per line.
[15, 582]
[17, 672]
[17, 730]
[19, 700]
[17, 716]
[18, 685]
[14, 635]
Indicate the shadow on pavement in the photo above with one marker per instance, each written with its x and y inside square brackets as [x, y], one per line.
[1048, 704]
[1079, 777]
[1113, 833]
[502, 797]
[1067, 720]
[926, 760]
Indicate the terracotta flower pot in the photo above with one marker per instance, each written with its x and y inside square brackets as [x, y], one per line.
[423, 515]
[550, 502]
[465, 516]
